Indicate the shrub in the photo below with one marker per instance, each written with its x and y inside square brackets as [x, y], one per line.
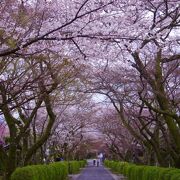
[74, 167]
[82, 163]
[54, 171]
[137, 172]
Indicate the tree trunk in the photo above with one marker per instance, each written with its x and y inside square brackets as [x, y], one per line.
[11, 162]
[47, 132]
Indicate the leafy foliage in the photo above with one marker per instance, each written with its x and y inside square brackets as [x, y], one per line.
[74, 166]
[54, 171]
[136, 172]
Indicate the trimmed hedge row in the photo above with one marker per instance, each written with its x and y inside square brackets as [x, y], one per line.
[137, 172]
[54, 171]
[74, 166]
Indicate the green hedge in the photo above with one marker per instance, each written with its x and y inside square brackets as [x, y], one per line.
[53, 171]
[137, 172]
[74, 166]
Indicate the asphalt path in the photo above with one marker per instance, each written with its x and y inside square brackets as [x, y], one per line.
[95, 173]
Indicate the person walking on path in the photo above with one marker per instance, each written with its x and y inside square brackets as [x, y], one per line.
[94, 162]
[99, 159]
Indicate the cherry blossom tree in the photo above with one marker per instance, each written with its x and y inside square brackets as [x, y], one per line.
[123, 88]
[139, 75]
[31, 25]
[132, 45]
[25, 87]
[70, 129]
[121, 144]
[151, 58]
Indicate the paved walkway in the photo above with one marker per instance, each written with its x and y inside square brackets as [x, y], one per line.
[96, 173]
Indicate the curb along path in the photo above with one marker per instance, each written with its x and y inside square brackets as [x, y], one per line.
[95, 173]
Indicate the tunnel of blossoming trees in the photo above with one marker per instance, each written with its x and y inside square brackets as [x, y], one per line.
[83, 77]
